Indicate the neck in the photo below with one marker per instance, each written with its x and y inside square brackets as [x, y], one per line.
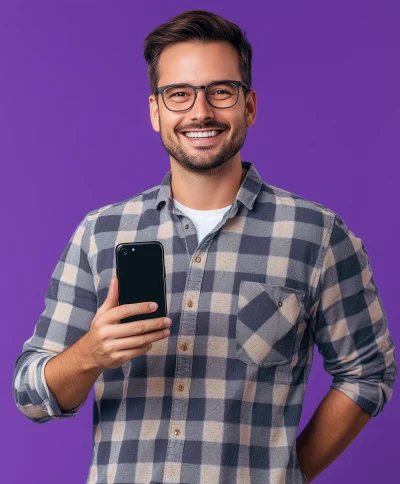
[206, 191]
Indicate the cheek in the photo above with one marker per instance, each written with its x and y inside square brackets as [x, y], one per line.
[169, 126]
[168, 132]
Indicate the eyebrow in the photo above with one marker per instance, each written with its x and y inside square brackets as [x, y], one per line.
[183, 82]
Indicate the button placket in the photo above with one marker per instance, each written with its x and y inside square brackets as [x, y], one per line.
[184, 358]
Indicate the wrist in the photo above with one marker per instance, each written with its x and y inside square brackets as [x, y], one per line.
[84, 356]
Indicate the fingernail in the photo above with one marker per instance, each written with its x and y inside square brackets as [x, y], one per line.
[153, 305]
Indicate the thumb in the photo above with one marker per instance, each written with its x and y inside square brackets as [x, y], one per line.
[111, 300]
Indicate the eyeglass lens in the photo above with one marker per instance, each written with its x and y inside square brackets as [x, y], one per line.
[220, 95]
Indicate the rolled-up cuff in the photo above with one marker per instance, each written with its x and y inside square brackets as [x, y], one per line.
[50, 404]
[371, 396]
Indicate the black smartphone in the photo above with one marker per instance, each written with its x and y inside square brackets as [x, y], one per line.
[141, 277]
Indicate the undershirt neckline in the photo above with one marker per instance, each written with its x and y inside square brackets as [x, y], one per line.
[194, 211]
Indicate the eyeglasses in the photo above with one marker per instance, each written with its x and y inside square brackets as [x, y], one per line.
[220, 94]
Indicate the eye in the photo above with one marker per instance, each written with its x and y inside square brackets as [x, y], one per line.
[179, 92]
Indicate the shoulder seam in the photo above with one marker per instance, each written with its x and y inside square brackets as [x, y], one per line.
[88, 229]
[324, 249]
[96, 211]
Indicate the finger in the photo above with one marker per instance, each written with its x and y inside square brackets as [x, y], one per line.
[111, 300]
[129, 354]
[140, 340]
[138, 327]
[115, 314]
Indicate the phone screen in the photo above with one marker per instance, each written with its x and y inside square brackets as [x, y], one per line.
[141, 276]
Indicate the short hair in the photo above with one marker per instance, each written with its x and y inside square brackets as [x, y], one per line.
[196, 25]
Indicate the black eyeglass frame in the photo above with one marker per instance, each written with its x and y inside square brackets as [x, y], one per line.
[161, 89]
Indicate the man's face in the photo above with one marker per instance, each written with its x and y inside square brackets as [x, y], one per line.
[199, 64]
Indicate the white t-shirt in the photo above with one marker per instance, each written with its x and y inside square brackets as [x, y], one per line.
[203, 220]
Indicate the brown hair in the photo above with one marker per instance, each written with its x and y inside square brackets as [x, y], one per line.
[196, 25]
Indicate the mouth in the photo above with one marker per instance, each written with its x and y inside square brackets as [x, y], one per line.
[198, 139]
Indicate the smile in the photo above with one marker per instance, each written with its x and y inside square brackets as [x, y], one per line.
[202, 136]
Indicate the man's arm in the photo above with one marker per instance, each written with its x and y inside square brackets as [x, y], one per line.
[349, 326]
[71, 375]
[70, 306]
[334, 425]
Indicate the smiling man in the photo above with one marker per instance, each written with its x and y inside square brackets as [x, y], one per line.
[255, 277]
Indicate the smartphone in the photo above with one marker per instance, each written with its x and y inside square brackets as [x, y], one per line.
[141, 277]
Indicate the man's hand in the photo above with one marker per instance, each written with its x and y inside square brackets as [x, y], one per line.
[109, 344]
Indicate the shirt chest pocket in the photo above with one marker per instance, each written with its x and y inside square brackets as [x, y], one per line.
[267, 323]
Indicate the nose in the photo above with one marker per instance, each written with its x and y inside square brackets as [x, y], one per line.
[201, 110]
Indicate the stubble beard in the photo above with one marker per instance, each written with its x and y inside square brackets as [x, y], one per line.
[204, 162]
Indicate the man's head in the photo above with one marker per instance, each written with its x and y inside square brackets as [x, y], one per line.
[199, 47]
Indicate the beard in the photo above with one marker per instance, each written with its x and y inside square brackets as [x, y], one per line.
[203, 160]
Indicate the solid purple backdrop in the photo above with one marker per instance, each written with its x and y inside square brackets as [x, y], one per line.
[74, 119]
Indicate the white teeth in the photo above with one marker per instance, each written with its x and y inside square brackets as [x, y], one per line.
[202, 134]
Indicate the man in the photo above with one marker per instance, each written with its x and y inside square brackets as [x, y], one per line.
[255, 277]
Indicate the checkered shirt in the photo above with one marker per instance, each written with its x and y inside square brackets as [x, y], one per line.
[220, 399]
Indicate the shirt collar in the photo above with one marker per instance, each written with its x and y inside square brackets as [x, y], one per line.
[247, 193]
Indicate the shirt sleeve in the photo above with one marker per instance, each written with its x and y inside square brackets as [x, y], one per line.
[70, 306]
[350, 325]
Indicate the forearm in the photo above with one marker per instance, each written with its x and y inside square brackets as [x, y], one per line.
[70, 375]
[334, 425]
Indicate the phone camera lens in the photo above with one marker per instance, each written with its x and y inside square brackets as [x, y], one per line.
[124, 251]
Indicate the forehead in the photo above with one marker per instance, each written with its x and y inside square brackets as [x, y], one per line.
[198, 63]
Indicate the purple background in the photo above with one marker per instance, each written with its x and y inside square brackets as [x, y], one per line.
[74, 116]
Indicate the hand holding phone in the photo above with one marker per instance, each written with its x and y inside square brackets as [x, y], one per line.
[110, 344]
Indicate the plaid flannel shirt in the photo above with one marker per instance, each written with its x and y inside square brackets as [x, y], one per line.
[220, 399]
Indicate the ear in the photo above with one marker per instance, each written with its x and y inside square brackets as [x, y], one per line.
[154, 112]
[251, 107]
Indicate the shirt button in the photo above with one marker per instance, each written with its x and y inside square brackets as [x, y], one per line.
[198, 259]
[190, 304]
[280, 303]
[177, 431]
[172, 474]
[180, 388]
[186, 226]
[184, 347]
